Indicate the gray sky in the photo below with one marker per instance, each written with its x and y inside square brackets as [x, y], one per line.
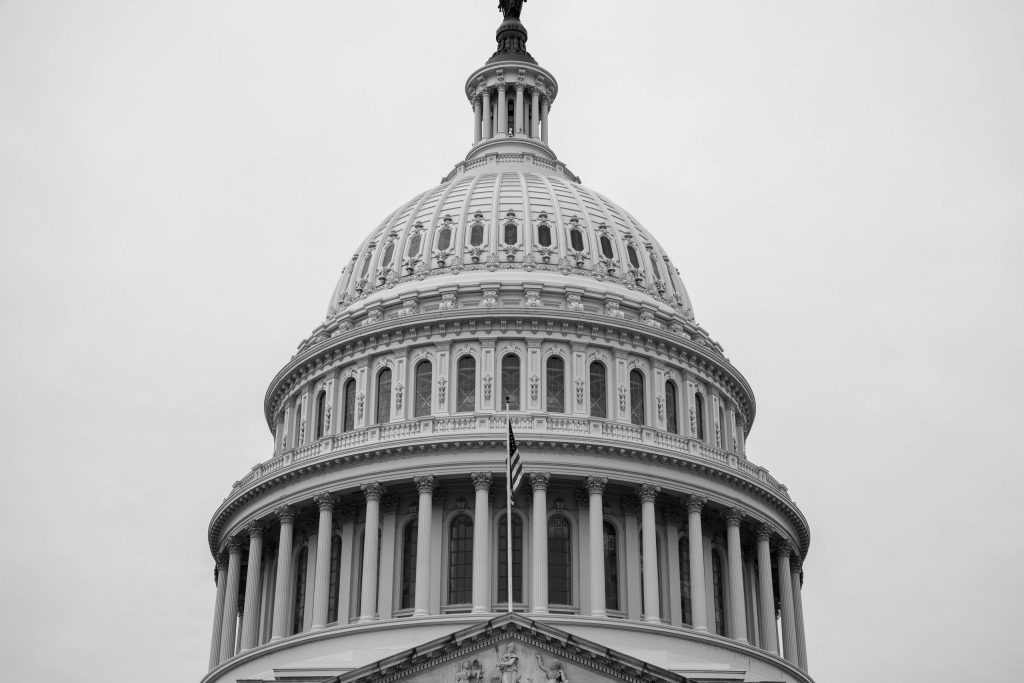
[840, 184]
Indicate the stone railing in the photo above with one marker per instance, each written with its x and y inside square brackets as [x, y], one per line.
[511, 158]
[527, 426]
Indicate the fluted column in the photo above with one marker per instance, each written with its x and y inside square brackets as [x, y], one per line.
[789, 648]
[321, 585]
[535, 114]
[545, 108]
[368, 600]
[218, 612]
[519, 108]
[502, 110]
[286, 515]
[229, 622]
[251, 611]
[485, 119]
[737, 610]
[652, 604]
[795, 568]
[477, 119]
[482, 543]
[595, 487]
[698, 594]
[769, 631]
[425, 485]
[539, 481]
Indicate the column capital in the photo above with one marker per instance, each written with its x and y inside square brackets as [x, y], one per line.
[425, 484]
[649, 492]
[539, 480]
[784, 548]
[372, 491]
[733, 516]
[325, 501]
[596, 485]
[520, 86]
[286, 514]
[796, 563]
[255, 529]
[694, 503]
[765, 531]
[234, 545]
[220, 565]
[482, 480]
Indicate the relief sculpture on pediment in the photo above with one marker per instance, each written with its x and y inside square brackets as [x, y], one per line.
[508, 662]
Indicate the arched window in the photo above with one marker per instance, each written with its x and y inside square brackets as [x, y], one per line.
[299, 609]
[298, 425]
[466, 385]
[654, 267]
[672, 417]
[559, 561]
[349, 422]
[335, 579]
[598, 390]
[634, 259]
[636, 397]
[444, 238]
[719, 592]
[698, 401]
[511, 233]
[321, 414]
[611, 567]
[517, 559]
[389, 251]
[424, 388]
[544, 235]
[409, 565]
[721, 428]
[460, 561]
[476, 235]
[606, 247]
[684, 579]
[510, 380]
[555, 385]
[414, 245]
[366, 266]
[384, 396]
[576, 239]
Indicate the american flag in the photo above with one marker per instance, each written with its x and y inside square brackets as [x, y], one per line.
[514, 464]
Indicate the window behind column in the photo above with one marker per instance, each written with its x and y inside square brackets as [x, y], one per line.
[321, 414]
[349, 393]
[555, 385]
[424, 388]
[598, 390]
[718, 591]
[698, 401]
[671, 414]
[510, 385]
[409, 539]
[384, 396]
[335, 579]
[517, 559]
[559, 561]
[611, 567]
[636, 397]
[460, 561]
[684, 579]
[299, 609]
[466, 385]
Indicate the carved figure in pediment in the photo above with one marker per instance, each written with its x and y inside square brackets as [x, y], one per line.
[555, 672]
[469, 671]
[508, 664]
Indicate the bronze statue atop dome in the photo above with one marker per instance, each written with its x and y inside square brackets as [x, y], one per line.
[510, 9]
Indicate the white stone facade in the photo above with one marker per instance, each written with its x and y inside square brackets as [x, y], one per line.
[509, 279]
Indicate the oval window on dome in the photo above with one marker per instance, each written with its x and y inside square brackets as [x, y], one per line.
[444, 239]
[576, 239]
[606, 247]
[366, 266]
[654, 267]
[544, 235]
[511, 233]
[476, 235]
[388, 253]
[634, 260]
[414, 245]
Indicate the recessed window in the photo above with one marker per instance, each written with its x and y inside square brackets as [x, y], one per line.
[510, 380]
[460, 561]
[576, 239]
[654, 267]
[636, 397]
[414, 245]
[409, 565]
[717, 583]
[559, 561]
[511, 233]
[466, 385]
[555, 385]
[350, 406]
[476, 235]
[699, 405]
[598, 390]
[334, 580]
[299, 609]
[517, 559]
[424, 386]
[685, 588]
[444, 238]
[384, 396]
[544, 235]
[321, 414]
[606, 247]
[672, 421]
[634, 260]
[366, 266]
[388, 253]
[611, 567]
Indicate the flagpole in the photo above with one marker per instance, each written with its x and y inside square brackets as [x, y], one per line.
[508, 502]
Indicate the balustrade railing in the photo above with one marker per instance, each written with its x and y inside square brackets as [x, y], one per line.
[527, 426]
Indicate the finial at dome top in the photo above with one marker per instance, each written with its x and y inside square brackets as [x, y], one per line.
[511, 35]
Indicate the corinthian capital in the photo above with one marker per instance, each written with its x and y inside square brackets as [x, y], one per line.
[784, 548]
[765, 531]
[425, 484]
[649, 492]
[695, 504]
[373, 490]
[596, 485]
[734, 516]
[482, 480]
[255, 529]
[285, 514]
[325, 501]
[539, 480]
[234, 545]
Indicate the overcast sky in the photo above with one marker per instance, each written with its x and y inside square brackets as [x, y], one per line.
[840, 184]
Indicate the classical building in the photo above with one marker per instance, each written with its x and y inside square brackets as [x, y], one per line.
[646, 545]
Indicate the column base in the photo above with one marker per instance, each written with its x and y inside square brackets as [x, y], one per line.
[480, 610]
[421, 613]
[598, 613]
[542, 610]
[366, 620]
[653, 620]
[317, 627]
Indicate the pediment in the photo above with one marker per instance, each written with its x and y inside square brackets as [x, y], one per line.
[510, 649]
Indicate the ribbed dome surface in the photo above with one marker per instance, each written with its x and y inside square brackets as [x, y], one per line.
[512, 214]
